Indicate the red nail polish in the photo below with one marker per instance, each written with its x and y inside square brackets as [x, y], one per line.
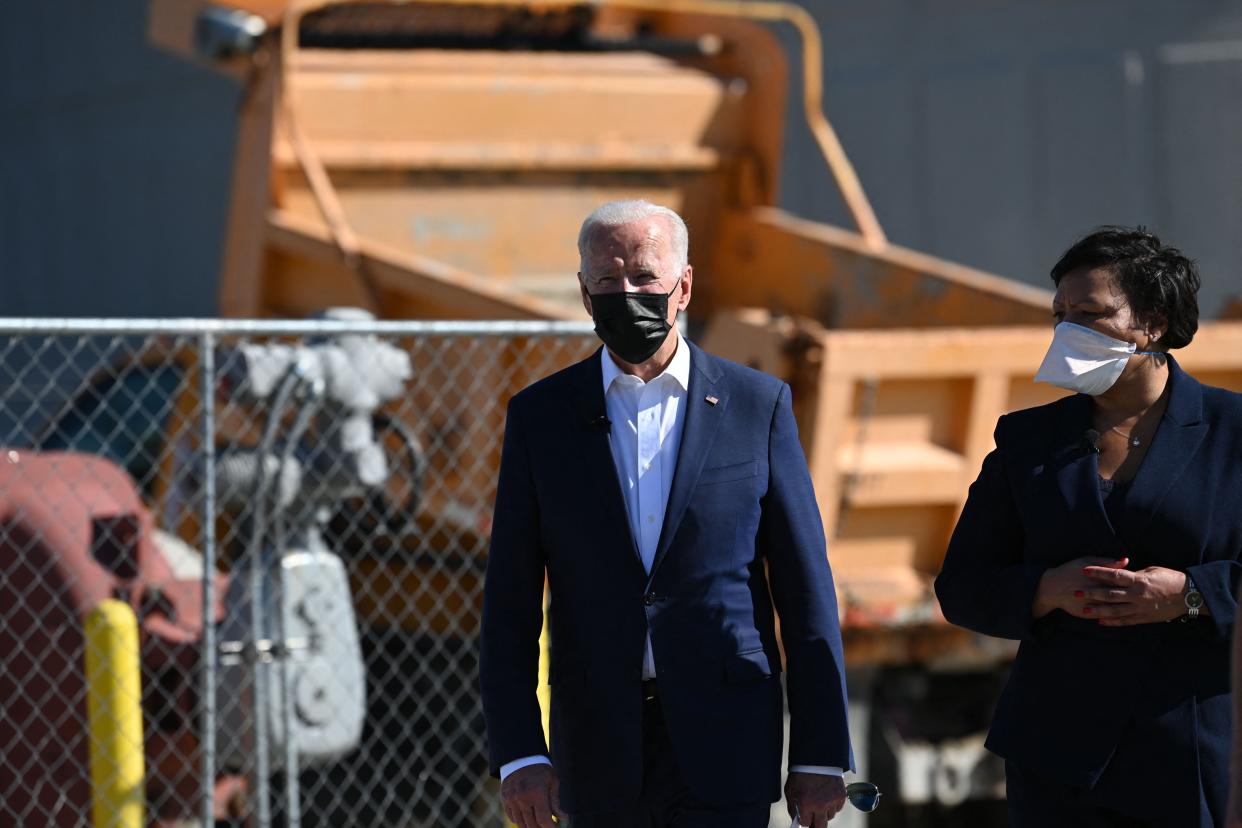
[1087, 610]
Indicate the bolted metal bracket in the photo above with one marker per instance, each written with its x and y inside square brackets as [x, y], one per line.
[265, 650]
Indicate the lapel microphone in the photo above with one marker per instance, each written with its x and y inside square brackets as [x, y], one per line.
[601, 422]
[1091, 441]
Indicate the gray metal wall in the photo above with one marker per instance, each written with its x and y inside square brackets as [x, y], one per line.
[101, 140]
[994, 132]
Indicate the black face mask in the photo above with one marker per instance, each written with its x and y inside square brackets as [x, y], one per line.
[632, 325]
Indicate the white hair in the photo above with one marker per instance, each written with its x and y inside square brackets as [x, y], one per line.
[619, 213]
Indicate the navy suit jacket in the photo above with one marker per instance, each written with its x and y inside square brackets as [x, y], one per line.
[741, 499]
[1082, 696]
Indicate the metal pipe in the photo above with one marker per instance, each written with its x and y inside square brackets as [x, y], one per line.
[812, 89]
[55, 326]
[293, 801]
[255, 567]
[312, 165]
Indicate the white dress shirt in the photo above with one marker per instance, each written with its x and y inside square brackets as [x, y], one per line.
[647, 420]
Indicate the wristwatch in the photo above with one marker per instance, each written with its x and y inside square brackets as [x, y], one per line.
[1194, 598]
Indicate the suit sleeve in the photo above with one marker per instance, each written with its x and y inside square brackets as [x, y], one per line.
[791, 534]
[1218, 581]
[985, 584]
[513, 609]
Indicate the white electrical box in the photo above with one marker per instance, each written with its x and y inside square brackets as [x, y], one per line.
[316, 664]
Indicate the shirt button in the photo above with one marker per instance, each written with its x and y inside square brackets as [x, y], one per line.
[649, 599]
[651, 518]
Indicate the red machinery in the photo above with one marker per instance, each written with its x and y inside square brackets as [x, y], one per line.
[74, 532]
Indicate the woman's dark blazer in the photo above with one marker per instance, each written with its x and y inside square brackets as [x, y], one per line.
[1078, 690]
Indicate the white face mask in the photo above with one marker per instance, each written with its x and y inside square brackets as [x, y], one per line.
[1084, 360]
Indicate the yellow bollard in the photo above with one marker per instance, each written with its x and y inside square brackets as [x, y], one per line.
[114, 702]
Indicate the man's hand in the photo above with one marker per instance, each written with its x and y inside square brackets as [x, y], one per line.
[531, 798]
[1120, 598]
[815, 797]
[1064, 587]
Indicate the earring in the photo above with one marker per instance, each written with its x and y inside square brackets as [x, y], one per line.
[1156, 338]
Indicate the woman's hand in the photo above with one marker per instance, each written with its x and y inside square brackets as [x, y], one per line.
[1120, 598]
[1064, 587]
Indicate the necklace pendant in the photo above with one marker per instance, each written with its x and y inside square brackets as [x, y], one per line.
[1135, 442]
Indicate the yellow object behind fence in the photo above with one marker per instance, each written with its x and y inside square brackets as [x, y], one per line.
[545, 666]
[545, 663]
[114, 702]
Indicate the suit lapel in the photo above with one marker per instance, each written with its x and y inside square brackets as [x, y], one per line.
[698, 433]
[1078, 472]
[1175, 442]
[591, 436]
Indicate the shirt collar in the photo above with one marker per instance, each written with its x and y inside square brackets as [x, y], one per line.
[678, 368]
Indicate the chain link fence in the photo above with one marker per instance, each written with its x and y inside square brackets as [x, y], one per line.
[292, 518]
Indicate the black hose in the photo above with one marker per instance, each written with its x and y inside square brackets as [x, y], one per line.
[417, 461]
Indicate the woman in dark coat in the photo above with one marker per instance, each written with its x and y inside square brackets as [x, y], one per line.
[1105, 533]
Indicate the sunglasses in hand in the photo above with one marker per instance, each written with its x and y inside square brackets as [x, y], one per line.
[862, 795]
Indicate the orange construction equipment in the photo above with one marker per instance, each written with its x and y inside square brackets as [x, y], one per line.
[434, 160]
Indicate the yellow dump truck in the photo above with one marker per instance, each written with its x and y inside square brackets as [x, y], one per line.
[433, 160]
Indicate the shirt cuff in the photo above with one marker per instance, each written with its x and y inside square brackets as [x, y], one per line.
[822, 770]
[525, 762]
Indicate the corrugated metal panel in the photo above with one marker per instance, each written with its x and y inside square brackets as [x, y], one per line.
[993, 133]
[1199, 94]
[115, 166]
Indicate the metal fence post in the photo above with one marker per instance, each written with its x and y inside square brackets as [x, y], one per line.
[211, 654]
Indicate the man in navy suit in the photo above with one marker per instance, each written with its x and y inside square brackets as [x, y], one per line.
[657, 489]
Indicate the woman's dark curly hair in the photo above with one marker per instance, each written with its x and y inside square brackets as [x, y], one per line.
[1160, 283]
